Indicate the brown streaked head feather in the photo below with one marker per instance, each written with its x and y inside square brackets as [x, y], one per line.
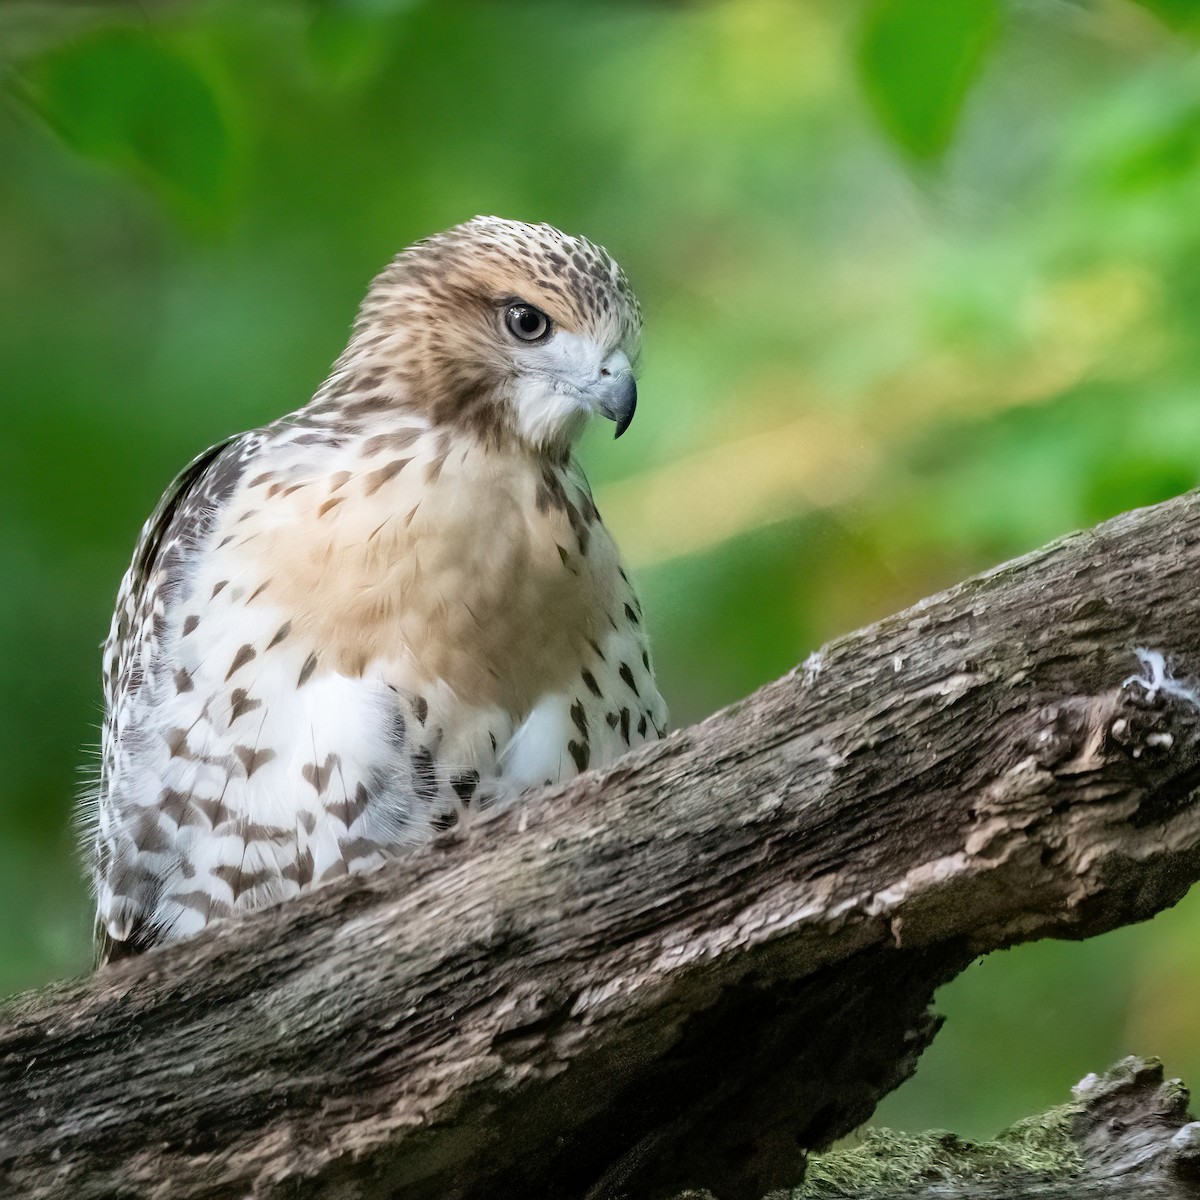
[430, 335]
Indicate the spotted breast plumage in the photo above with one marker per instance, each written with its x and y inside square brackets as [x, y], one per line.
[344, 631]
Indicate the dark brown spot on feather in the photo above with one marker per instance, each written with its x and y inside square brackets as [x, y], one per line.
[590, 680]
[300, 869]
[352, 848]
[258, 591]
[348, 811]
[631, 614]
[376, 479]
[424, 779]
[256, 831]
[580, 718]
[420, 708]
[202, 903]
[627, 675]
[551, 493]
[367, 380]
[580, 753]
[177, 743]
[642, 725]
[310, 665]
[398, 439]
[148, 834]
[211, 807]
[625, 725]
[252, 758]
[366, 406]
[582, 533]
[333, 503]
[435, 468]
[318, 774]
[464, 785]
[218, 588]
[183, 680]
[397, 729]
[174, 804]
[240, 702]
[280, 634]
[444, 821]
[245, 653]
[189, 624]
[240, 880]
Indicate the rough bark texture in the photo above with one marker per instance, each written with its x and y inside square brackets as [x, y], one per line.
[682, 971]
[1125, 1134]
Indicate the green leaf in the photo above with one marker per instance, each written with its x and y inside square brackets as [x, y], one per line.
[918, 60]
[122, 98]
[1175, 14]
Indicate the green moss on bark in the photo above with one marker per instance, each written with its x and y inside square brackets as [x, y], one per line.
[1037, 1148]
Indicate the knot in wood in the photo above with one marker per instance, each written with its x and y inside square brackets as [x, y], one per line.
[1151, 724]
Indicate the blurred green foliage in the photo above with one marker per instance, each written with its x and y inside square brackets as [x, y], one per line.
[919, 59]
[921, 287]
[158, 121]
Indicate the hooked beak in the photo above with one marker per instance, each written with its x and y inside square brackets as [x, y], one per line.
[617, 393]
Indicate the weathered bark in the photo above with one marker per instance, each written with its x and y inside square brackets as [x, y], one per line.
[1125, 1134]
[684, 970]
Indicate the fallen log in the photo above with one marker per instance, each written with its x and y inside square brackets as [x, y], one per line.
[687, 970]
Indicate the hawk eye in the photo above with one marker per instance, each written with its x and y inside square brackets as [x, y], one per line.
[526, 323]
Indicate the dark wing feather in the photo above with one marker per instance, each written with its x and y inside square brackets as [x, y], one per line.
[179, 524]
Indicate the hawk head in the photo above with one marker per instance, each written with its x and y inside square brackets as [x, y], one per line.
[507, 330]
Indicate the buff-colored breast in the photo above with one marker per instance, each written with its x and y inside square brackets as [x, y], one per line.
[433, 567]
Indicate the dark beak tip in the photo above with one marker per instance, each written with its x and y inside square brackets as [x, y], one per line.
[627, 409]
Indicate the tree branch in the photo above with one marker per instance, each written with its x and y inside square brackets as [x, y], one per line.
[684, 970]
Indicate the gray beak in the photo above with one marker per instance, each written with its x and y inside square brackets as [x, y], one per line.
[618, 402]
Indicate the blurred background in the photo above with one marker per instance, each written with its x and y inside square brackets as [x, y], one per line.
[922, 290]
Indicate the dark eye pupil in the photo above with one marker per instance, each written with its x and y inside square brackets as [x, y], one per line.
[529, 321]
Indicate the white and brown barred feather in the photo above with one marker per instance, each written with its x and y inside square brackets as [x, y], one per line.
[342, 632]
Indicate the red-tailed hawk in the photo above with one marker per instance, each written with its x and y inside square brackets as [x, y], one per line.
[344, 630]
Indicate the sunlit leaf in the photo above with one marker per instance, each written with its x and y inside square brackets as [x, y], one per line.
[918, 59]
[124, 98]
